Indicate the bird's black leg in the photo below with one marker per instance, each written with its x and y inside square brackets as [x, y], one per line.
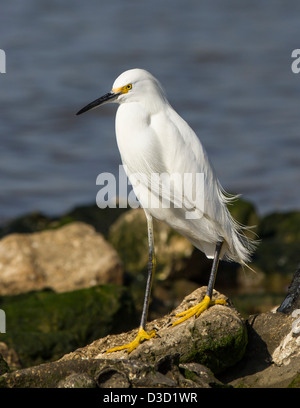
[214, 269]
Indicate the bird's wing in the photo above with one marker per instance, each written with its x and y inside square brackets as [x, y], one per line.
[168, 145]
[182, 153]
[164, 143]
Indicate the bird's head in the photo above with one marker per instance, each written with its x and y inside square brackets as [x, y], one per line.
[134, 85]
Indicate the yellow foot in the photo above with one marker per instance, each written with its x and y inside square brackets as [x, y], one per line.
[141, 336]
[198, 309]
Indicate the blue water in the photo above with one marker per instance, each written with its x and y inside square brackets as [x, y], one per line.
[226, 68]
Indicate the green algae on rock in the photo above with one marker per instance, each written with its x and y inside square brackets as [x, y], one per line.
[43, 326]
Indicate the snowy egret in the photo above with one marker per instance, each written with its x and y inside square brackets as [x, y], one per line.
[153, 139]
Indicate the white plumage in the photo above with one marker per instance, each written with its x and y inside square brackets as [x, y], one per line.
[153, 138]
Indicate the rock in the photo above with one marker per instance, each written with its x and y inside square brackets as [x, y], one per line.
[28, 223]
[216, 339]
[10, 356]
[270, 360]
[118, 373]
[174, 359]
[272, 357]
[200, 375]
[3, 366]
[43, 326]
[278, 251]
[49, 375]
[69, 258]
[168, 372]
[128, 234]
[292, 299]
[289, 347]
[81, 380]
[100, 219]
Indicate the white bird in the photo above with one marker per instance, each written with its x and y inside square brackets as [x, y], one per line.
[153, 139]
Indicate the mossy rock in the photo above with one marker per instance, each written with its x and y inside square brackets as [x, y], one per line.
[216, 339]
[33, 222]
[3, 366]
[217, 347]
[245, 213]
[100, 219]
[295, 383]
[43, 326]
[285, 226]
[278, 251]
[129, 237]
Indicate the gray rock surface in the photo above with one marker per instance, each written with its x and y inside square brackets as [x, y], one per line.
[272, 357]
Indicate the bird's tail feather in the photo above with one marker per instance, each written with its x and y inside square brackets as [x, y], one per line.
[241, 247]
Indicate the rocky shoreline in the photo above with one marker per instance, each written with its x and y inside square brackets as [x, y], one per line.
[72, 286]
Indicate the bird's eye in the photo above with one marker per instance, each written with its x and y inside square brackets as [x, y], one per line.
[128, 87]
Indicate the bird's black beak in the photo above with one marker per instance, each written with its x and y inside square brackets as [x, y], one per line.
[109, 97]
